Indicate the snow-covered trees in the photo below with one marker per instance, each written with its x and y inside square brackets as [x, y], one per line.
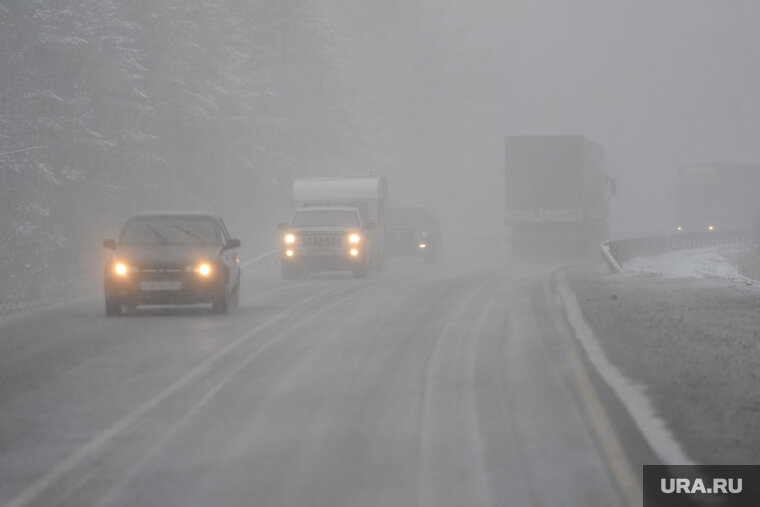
[108, 108]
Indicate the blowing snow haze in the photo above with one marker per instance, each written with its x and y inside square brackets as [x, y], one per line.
[109, 108]
[401, 252]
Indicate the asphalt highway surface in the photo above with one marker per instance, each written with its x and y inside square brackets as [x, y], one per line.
[425, 385]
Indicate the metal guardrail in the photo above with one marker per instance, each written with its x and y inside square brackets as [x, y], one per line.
[616, 253]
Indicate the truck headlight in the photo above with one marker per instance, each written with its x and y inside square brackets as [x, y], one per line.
[290, 239]
[354, 238]
[120, 269]
[354, 252]
[204, 269]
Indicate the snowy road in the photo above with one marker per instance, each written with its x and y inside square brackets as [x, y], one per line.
[443, 385]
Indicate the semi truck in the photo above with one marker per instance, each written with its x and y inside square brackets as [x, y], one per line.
[717, 197]
[557, 193]
[338, 224]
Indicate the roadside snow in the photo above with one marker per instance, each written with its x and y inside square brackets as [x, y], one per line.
[694, 344]
[694, 264]
[631, 393]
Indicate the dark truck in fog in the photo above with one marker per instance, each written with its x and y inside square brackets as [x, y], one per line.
[717, 197]
[556, 193]
[172, 258]
[413, 231]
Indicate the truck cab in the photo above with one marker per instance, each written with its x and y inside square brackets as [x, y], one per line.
[326, 238]
[321, 207]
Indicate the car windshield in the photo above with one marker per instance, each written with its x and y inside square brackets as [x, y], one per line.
[408, 218]
[327, 218]
[169, 230]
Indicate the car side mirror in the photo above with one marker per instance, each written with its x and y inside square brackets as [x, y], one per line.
[110, 244]
[233, 243]
[282, 226]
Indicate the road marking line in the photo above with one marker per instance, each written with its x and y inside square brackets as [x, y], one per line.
[258, 258]
[75, 459]
[602, 426]
[425, 491]
[72, 487]
[475, 336]
[33, 311]
[115, 491]
[26, 313]
[633, 396]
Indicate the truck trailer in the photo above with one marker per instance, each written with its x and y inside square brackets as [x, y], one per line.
[557, 193]
[717, 197]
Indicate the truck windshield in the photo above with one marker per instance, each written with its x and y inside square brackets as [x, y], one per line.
[333, 218]
[169, 230]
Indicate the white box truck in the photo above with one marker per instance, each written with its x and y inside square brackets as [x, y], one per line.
[338, 224]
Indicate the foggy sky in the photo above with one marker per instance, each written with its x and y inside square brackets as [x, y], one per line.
[658, 84]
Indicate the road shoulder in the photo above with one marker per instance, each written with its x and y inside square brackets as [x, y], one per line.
[693, 347]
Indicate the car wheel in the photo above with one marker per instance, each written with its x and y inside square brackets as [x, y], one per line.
[113, 307]
[220, 303]
[235, 296]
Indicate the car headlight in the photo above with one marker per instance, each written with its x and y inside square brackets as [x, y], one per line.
[710, 227]
[354, 238]
[354, 252]
[290, 239]
[204, 269]
[423, 245]
[120, 269]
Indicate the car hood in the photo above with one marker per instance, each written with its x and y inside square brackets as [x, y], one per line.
[323, 228]
[164, 255]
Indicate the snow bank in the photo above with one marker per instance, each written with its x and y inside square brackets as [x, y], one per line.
[695, 264]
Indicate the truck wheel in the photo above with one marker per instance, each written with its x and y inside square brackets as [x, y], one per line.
[113, 308]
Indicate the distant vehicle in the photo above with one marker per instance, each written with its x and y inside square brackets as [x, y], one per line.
[715, 197]
[556, 192]
[325, 239]
[317, 238]
[413, 231]
[172, 258]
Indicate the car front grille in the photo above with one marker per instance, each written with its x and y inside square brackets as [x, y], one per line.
[322, 241]
[160, 273]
